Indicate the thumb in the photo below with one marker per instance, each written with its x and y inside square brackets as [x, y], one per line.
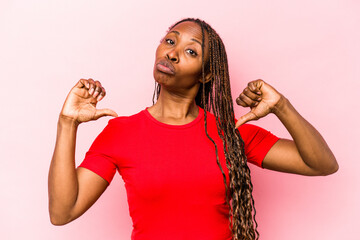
[104, 112]
[245, 118]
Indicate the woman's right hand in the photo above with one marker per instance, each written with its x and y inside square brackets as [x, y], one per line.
[80, 104]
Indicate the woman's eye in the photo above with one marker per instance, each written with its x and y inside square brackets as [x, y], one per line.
[191, 52]
[169, 41]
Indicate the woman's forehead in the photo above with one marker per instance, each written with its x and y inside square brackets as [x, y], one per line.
[189, 27]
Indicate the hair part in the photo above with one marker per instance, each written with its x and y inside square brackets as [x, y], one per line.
[215, 96]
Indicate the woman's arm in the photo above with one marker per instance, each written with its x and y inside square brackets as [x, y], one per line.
[308, 153]
[72, 191]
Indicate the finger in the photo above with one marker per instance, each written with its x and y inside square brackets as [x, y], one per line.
[255, 86]
[104, 112]
[248, 102]
[82, 83]
[252, 95]
[97, 89]
[246, 118]
[101, 95]
[91, 86]
[241, 103]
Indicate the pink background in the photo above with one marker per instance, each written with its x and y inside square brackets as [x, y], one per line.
[308, 50]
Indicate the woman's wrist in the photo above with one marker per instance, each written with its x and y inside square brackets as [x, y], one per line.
[282, 107]
[67, 121]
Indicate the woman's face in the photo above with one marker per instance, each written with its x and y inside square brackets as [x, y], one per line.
[179, 57]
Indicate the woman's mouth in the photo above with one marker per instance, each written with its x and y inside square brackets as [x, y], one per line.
[165, 67]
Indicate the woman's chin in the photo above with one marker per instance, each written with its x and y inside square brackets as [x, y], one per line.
[161, 78]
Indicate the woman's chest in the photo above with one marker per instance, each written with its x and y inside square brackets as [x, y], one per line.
[170, 166]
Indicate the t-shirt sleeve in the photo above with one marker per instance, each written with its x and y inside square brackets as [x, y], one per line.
[258, 142]
[100, 158]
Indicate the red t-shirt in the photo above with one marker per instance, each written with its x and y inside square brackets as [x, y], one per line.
[174, 186]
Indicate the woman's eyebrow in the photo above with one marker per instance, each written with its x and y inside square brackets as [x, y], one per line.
[177, 33]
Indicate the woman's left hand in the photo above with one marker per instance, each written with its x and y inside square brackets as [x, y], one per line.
[261, 98]
[307, 154]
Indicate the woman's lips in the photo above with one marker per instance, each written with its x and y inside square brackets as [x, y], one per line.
[165, 67]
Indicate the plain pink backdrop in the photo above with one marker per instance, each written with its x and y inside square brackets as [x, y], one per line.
[308, 50]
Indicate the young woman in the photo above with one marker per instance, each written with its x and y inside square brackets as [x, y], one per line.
[184, 159]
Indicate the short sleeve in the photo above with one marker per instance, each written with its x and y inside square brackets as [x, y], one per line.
[258, 142]
[99, 159]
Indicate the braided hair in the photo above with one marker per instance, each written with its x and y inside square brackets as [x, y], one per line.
[215, 96]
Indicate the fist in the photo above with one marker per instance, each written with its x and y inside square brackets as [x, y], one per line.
[80, 104]
[260, 97]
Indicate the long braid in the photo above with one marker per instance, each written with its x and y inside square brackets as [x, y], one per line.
[215, 96]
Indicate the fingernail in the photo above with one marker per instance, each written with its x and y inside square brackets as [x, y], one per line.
[99, 98]
[259, 99]
[91, 91]
[258, 93]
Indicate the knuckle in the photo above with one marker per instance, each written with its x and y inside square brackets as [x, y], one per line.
[260, 81]
[251, 86]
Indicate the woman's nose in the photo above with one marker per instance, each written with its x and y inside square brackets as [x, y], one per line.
[172, 56]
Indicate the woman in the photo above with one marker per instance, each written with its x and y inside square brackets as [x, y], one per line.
[166, 154]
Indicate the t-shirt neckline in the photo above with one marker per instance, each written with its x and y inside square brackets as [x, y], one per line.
[187, 125]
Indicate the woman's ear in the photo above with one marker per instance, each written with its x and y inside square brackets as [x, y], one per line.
[208, 77]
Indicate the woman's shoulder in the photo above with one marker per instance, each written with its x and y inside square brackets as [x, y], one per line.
[127, 121]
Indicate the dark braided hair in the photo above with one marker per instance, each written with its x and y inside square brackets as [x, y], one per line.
[215, 96]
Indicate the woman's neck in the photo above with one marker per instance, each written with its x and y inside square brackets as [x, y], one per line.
[173, 108]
